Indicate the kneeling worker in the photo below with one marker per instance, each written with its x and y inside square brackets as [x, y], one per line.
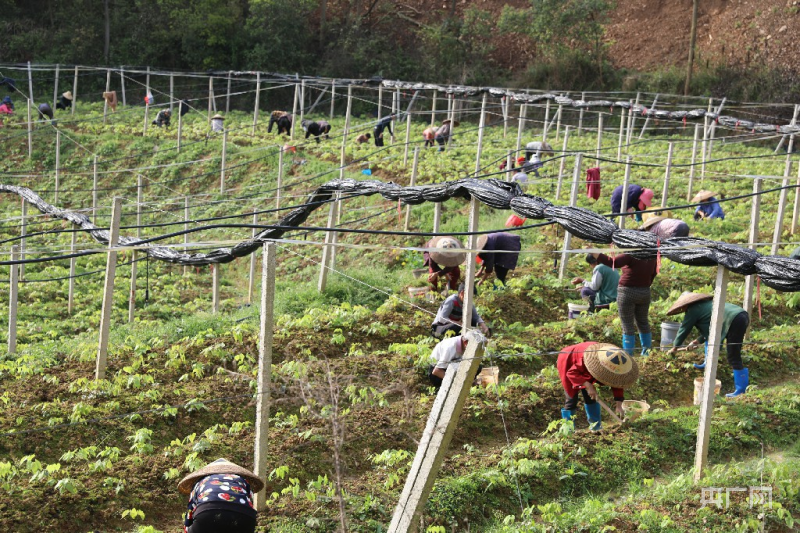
[582, 365]
[447, 351]
[450, 316]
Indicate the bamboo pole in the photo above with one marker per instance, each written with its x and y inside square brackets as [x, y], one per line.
[108, 290]
[71, 285]
[599, 149]
[58, 165]
[573, 200]
[625, 183]
[55, 86]
[215, 282]
[257, 103]
[412, 183]
[693, 163]
[279, 186]
[222, 163]
[294, 110]
[667, 172]
[580, 115]
[251, 283]
[105, 102]
[75, 91]
[13, 291]
[755, 217]
[776, 237]
[122, 85]
[562, 163]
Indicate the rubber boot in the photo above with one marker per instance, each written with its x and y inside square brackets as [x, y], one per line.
[647, 343]
[566, 414]
[741, 379]
[702, 366]
[593, 416]
[569, 416]
[628, 343]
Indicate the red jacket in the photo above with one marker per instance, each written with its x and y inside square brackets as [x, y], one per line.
[574, 374]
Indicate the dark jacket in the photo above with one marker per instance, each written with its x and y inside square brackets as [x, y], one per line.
[634, 192]
[64, 103]
[384, 123]
[45, 111]
[283, 120]
[507, 243]
[163, 117]
[316, 128]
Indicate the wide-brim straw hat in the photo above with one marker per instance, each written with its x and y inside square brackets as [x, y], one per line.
[220, 466]
[67, 95]
[686, 299]
[650, 222]
[702, 196]
[454, 254]
[218, 116]
[611, 365]
[482, 239]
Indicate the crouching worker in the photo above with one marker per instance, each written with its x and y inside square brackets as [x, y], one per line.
[450, 316]
[447, 351]
[735, 320]
[444, 263]
[602, 288]
[220, 498]
[163, 117]
[582, 365]
[283, 120]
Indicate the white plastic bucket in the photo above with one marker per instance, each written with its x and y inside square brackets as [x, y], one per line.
[698, 389]
[576, 309]
[669, 330]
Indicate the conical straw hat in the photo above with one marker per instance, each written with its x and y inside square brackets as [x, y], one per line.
[67, 95]
[685, 299]
[218, 116]
[455, 254]
[703, 195]
[220, 466]
[650, 222]
[611, 365]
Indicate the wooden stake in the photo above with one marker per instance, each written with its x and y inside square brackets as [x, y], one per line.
[504, 106]
[222, 164]
[215, 268]
[346, 130]
[210, 97]
[30, 131]
[55, 89]
[437, 216]
[471, 267]
[408, 139]
[394, 122]
[122, 84]
[412, 183]
[755, 216]
[71, 285]
[280, 178]
[333, 98]
[380, 102]
[134, 266]
[251, 283]
[667, 171]
[625, 183]
[633, 117]
[436, 438]
[630, 122]
[452, 117]
[481, 128]
[558, 121]
[710, 375]
[13, 291]
[257, 103]
[580, 115]
[704, 148]
[563, 163]
[796, 210]
[546, 119]
[105, 102]
[30, 83]
[75, 91]
[713, 128]
[326, 250]
[58, 165]
[573, 200]
[783, 138]
[180, 129]
[599, 138]
[776, 236]
[294, 110]
[302, 101]
[171, 92]
[689, 191]
[647, 119]
[94, 189]
[433, 107]
[523, 110]
[228, 94]
[264, 369]
[621, 133]
[108, 290]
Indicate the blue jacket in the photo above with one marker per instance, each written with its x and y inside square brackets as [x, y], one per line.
[711, 209]
[634, 192]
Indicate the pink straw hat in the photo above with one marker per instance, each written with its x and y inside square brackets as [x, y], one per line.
[646, 198]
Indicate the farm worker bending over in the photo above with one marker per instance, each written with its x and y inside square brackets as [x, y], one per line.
[384, 123]
[447, 351]
[443, 133]
[537, 149]
[45, 111]
[633, 298]
[582, 365]
[666, 228]
[429, 134]
[709, 206]
[7, 106]
[602, 288]
[162, 119]
[499, 254]
[283, 120]
[316, 128]
[220, 498]
[639, 199]
[444, 262]
[450, 316]
[65, 102]
[735, 321]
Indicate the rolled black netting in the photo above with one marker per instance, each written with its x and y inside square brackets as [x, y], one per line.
[781, 273]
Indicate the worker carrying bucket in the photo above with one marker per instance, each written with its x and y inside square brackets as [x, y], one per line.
[582, 365]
